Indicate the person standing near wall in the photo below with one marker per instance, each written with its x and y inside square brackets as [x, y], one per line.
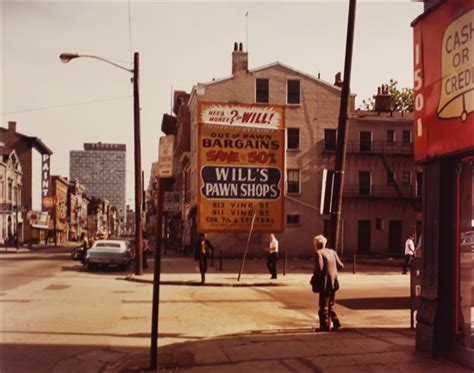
[409, 252]
[272, 250]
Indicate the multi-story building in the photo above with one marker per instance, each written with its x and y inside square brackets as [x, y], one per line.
[36, 171]
[10, 196]
[311, 108]
[101, 169]
[59, 224]
[382, 184]
[76, 210]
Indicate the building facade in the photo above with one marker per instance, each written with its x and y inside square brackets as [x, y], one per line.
[101, 168]
[379, 197]
[444, 146]
[34, 158]
[10, 197]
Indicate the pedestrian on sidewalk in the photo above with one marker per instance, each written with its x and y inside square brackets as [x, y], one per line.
[409, 252]
[272, 250]
[84, 246]
[202, 250]
[326, 264]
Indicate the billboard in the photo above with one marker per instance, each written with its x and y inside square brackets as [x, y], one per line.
[241, 162]
[444, 80]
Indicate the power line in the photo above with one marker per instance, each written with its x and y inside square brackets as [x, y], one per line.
[65, 105]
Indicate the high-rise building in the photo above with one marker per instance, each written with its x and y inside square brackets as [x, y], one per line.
[100, 168]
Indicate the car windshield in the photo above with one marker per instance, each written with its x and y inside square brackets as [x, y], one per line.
[108, 244]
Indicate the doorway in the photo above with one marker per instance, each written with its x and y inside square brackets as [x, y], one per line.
[363, 237]
[395, 237]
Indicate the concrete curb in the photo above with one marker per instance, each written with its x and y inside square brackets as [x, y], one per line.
[132, 278]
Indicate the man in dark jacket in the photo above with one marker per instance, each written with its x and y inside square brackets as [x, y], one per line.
[327, 263]
[202, 250]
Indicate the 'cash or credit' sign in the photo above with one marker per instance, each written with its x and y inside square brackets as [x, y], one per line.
[241, 167]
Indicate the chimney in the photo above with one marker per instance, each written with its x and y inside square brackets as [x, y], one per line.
[240, 59]
[337, 80]
[12, 127]
[383, 100]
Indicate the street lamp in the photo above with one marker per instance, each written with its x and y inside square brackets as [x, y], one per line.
[65, 58]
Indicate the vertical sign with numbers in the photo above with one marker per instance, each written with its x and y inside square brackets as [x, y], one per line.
[241, 158]
[443, 60]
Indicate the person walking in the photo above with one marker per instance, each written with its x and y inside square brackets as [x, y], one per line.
[272, 250]
[84, 246]
[409, 252]
[326, 264]
[201, 252]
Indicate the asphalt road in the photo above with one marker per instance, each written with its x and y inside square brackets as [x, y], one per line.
[58, 317]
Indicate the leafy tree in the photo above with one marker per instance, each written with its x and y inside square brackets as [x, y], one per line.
[402, 99]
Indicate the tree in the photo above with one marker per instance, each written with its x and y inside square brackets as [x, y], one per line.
[402, 99]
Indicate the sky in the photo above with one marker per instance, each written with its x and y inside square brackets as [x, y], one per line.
[180, 44]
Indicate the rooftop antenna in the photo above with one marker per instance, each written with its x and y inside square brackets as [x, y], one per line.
[247, 30]
[171, 100]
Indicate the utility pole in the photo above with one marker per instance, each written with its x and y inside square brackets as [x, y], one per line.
[341, 133]
[156, 277]
[138, 168]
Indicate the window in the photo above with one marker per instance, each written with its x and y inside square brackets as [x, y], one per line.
[406, 137]
[329, 139]
[292, 219]
[293, 92]
[262, 90]
[390, 136]
[390, 177]
[406, 178]
[293, 138]
[365, 141]
[293, 181]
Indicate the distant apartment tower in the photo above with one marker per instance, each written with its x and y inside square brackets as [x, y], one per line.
[100, 168]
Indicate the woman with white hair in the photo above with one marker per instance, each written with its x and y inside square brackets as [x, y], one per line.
[326, 264]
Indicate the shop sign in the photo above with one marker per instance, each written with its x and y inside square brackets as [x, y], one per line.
[444, 80]
[45, 180]
[165, 156]
[241, 167]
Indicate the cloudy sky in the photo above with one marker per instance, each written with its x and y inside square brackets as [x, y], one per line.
[180, 44]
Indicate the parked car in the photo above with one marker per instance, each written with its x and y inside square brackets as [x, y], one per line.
[109, 252]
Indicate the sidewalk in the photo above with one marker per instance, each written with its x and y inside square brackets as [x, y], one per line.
[373, 341]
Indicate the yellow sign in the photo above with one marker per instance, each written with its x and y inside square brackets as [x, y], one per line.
[457, 61]
[241, 167]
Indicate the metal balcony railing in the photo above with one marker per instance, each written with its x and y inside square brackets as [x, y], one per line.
[372, 147]
[379, 191]
[379, 147]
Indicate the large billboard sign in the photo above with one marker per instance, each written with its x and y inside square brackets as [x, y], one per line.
[241, 160]
[444, 80]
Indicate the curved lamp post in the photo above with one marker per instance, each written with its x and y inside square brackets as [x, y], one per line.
[65, 58]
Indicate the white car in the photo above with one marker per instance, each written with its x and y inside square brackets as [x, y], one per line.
[109, 252]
